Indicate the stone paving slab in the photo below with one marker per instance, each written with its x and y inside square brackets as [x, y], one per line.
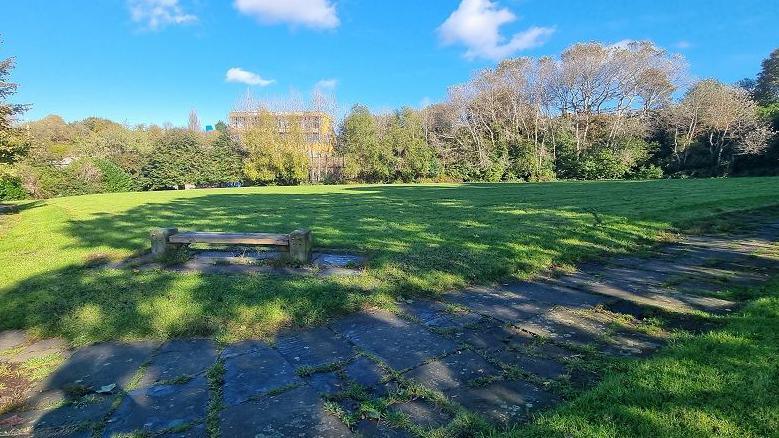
[399, 343]
[454, 372]
[313, 347]
[539, 366]
[493, 337]
[368, 428]
[253, 369]
[705, 268]
[633, 344]
[554, 294]
[644, 295]
[437, 315]
[464, 377]
[507, 401]
[364, 372]
[623, 275]
[159, 408]
[12, 338]
[505, 306]
[424, 413]
[180, 358]
[295, 413]
[326, 383]
[562, 324]
[44, 347]
[102, 364]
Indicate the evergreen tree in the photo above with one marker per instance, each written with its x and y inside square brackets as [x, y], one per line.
[225, 164]
[12, 144]
[766, 89]
[176, 160]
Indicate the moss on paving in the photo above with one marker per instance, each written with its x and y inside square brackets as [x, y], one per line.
[419, 239]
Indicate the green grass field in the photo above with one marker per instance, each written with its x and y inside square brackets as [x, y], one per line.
[420, 239]
[720, 383]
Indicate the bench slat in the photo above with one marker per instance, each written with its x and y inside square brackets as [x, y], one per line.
[231, 238]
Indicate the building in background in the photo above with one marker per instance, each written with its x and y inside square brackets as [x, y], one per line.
[317, 129]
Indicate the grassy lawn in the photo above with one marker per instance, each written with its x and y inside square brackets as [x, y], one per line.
[420, 239]
[721, 383]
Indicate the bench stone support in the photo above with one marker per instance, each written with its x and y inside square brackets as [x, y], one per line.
[159, 241]
[300, 244]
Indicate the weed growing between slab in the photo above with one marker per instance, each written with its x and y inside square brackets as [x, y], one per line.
[306, 371]
[215, 376]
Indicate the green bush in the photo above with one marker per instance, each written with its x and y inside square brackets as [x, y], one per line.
[650, 171]
[114, 178]
[80, 177]
[10, 187]
[619, 159]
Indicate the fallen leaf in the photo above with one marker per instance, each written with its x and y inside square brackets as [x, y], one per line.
[106, 389]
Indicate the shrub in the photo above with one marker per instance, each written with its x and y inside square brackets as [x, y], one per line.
[114, 178]
[650, 171]
[611, 161]
[176, 160]
[80, 177]
[10, 185]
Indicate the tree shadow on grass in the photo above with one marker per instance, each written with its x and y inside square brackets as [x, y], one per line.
[7, 209]
[706, 386]
[419, 239]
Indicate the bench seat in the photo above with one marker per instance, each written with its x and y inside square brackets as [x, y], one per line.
[230, 238]
[297, 243]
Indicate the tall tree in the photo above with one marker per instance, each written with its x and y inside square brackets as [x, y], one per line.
[12, 145]
[766, 89]
[176, 160]
[275, 149]
[367, 158]
[721, 118]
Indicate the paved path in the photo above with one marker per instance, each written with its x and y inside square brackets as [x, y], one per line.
[501, 352]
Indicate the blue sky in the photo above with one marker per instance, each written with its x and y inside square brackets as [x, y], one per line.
[152, 61]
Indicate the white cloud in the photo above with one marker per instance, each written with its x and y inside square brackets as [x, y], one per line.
[242, 76]
[683, 44]
[155, 14]
[326, 84]
[476, 24]
[318, 14]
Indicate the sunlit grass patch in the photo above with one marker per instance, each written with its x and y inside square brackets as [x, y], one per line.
[720, 383]
[419, 240]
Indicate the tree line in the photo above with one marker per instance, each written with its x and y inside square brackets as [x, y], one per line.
[53, 158]
[595, 112]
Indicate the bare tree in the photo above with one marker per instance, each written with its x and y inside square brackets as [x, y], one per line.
[194, 122]
[594, 82]
[597, 93]
[722, 117]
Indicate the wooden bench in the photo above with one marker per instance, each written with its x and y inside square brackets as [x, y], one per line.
[298, 243]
